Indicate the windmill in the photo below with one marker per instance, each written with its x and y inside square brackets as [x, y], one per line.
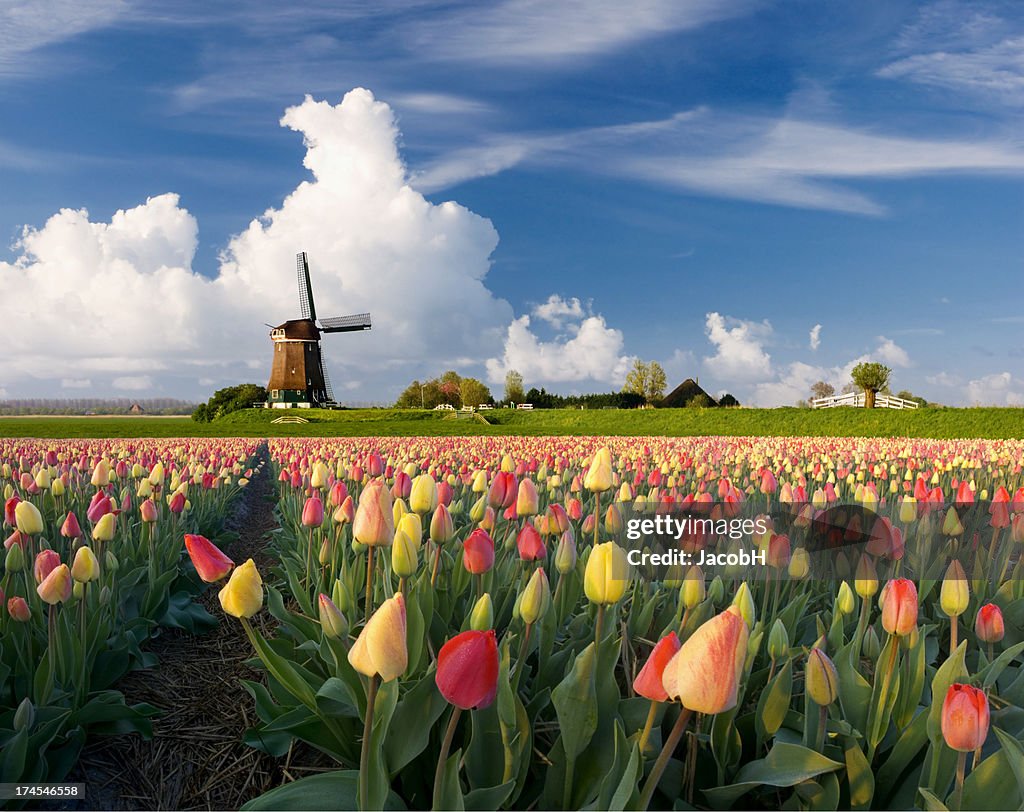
[298, 377]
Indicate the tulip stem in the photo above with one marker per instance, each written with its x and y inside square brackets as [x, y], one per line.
[952, 634]
[437, 564]
[958, 793]
[991, 652]
[822, 721]
[597, 515]
[364, 755]
[369, 581]
[666, 753]
[651, 715]
[599, 624]
[442, 759]
[521, 659]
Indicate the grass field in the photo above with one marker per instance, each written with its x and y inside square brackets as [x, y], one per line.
[936, 423]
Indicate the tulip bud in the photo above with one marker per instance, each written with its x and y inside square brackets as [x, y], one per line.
[105, 595]
[342, 597]
[988, 625]
[799, 564]
[15, 559]
[821, 680]
[527, 501]
[478, 552]
[70, 529]
[482, 617]
[101, 475]
[565, 555]
[845, 601]
[25, 715]
[536, 597]
[965, 718]
[607, 574]
[110, 561]
[345, 512]
[373, 524]
[908, 510]
[404, 555]
[744, 602]
[380, 648]
[211, 564]
[866, 582]
[899, 607]
[18, 609]
[28, 518]
[441, 526]
[313, 512]
[85, 567]
[954, 594]
[778, 640]
[951, 525]
[423, 494]
[332, 620]
[599, 476]
[242, 595]
[46, 562]
[716, 590]
[467, 669]
[530, 544]
[693, 590]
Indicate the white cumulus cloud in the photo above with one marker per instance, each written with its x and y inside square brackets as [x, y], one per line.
[589, 350]
[129, 304]
[892, 353]
[556, 310]
[740, 354]
[998, 389]
[815, 336]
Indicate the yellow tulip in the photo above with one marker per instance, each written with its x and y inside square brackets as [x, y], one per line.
[599, 477]
[85, 567]
[380, 648]
[28, 519]
[105, 527]
[242, 595]
[607, 574]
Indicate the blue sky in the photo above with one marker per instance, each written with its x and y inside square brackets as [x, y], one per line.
[700, 183]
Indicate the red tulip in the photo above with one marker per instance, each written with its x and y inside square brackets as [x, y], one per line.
[71, 529]
[648, 682]
[899, 607]
[530, 544]
[467, 669]
[177, 504]
[313, 512]
[9, 506]
[965, 718]
[478, 552]
[988, 625]
[46, 562]
[209, 561]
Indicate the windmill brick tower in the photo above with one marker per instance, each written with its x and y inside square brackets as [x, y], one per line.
[298, 377]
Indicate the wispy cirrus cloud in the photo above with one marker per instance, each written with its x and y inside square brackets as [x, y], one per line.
[784, 161]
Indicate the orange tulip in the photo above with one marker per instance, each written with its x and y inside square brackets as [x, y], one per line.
[704, 675]
[648, 682]
[965, 718]
[899, 607]
[988, 625]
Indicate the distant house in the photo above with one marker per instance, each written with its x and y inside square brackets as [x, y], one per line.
[683, 394]
[135, 408]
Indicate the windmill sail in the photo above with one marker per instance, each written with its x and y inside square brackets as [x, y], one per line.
[305, 287]
[346, 324]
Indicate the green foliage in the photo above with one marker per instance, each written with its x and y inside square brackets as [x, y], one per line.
[871, 376]
[514, 387]
[646, 380]
[228, 400]
[451, 388]
[700, 401]
[728, 400]
[542, 399]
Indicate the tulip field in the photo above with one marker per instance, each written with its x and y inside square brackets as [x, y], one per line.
[458, 622]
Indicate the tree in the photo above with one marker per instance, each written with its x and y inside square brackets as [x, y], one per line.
[728, 400]
[230, 399]
[450, 386]
[474, 392]
[699, 401]
[514, 387]
[647, 380]
[821, 389]
[872, 377]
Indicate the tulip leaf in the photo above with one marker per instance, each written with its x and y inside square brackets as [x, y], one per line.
[859, 778]
[987, 788]
[485, 799]
[884, 693]
[450, 794]
[785, 766]
[336, 790]
[854, 690]
[994, 670]
[335, 699]
[931, 803]
[773, 704]
[282, 669]
[575, 701]
[415, 716]
[377, 773]
[912, 673]
[907, 746]
[1014, 752]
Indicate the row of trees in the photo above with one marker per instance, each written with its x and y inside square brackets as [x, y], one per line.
[72, 406]
[230, 399]
[542, 399]
[450, 389]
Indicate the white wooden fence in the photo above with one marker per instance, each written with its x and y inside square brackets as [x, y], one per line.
[882, 401]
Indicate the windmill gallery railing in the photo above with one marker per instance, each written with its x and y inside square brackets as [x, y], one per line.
[882, 401]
